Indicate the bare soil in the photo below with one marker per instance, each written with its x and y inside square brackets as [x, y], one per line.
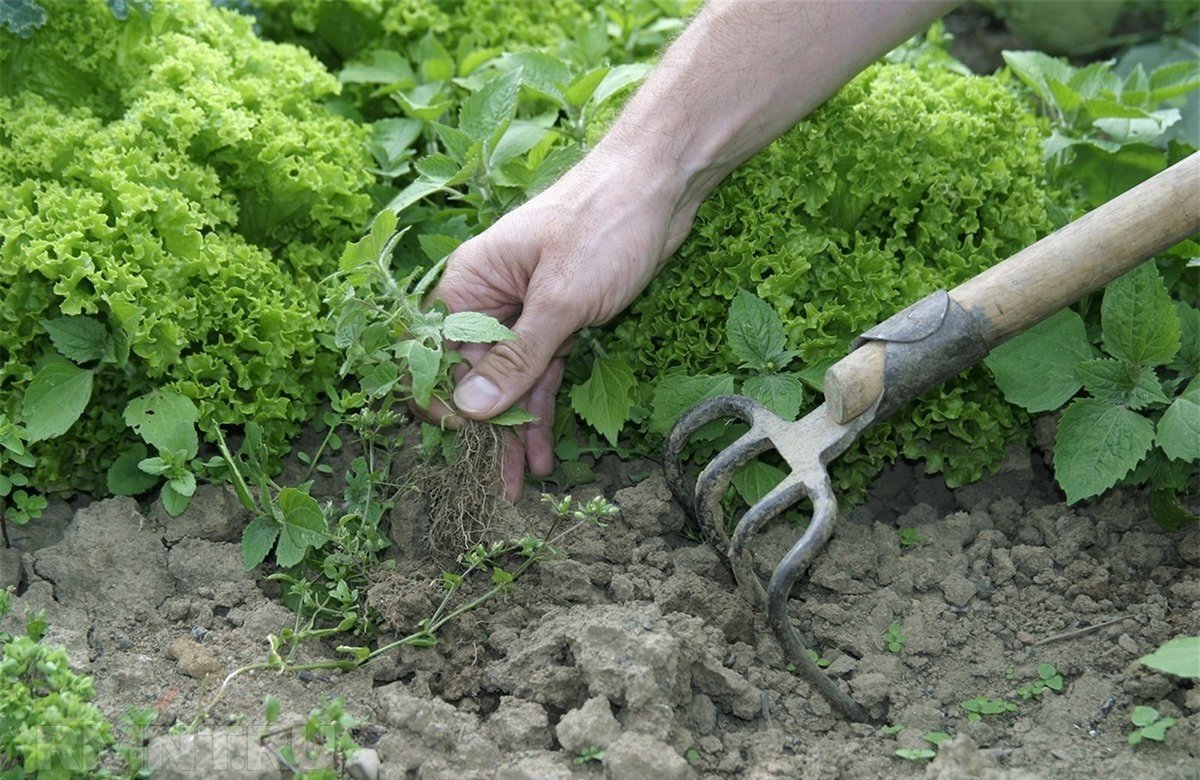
[637, 642]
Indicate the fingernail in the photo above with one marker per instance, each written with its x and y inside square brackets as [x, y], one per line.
[476, 395]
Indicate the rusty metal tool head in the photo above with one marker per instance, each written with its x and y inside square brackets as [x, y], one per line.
[892, 363]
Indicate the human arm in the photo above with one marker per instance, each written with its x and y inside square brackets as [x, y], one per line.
[742, 73]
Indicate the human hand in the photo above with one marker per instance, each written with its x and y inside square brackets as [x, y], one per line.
[573, 256]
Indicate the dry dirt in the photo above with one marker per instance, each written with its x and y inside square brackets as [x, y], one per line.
[637, 643]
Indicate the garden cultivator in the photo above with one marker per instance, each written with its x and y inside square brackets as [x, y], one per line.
[894, 362]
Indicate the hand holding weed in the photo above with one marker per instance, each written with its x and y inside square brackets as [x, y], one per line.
[572, 257]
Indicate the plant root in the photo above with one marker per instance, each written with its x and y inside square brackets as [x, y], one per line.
[464, 494]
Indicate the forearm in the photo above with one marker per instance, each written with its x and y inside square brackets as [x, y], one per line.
[742, 73]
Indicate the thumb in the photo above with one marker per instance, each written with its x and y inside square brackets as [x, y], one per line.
[509, 369]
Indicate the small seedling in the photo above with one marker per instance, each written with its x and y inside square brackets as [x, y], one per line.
[1149, 725]
[981, 705]
[894, 638]
[1048, 677]
[692, 755]
[909, 537]
[935, 738]
[891, 731]
[587, 754]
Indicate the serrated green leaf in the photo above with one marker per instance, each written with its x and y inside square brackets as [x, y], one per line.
[1187, 360]
[756, 334]
[1038, 71]
[1036, 370]
[55, 399]
[1179, 656]
[257, 540]
[781, 393]
[1106, 171]
[1179, 427]
[518, 139]
[513, 416]
[674, 395]
[605, 399]
[756, 479]
[165, 420]
[1138, 319]
[1097, 445]
[302, 525]
[1118, 382]
[124, 476]
[426, 102]
[492, 107]
[1173, 80]
[79, 338]
[437, 168]
[543, 73]
[475, 328]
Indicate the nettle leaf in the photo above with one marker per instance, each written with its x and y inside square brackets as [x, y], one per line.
[1038, 71]
[165, 420]
[124, 476]
[675, 394]
[605, 399]
[781, 393]
[1138, 318]
[1179, 427]
[1173, 80]
[55, 399]
[1036, 370]
[302, 525]
[1118, 382]
[1187, 360]
[257, 540]
[436, 246]
[1097, 445]
[492, 107]
[475, 328]
[80, 338]
[756, 334]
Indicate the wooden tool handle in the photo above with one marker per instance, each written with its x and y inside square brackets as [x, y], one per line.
[1053, 273]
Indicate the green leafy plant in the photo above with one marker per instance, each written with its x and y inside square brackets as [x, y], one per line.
[48, 725]
[908, 537]
[1110, 131]
[16, 504]
[1150, 725]
[326, 737]
[981, 706]
[1047, 678]
[1179, 656]
[935, 738]
[589, 754]
[162, 233]
[894, 638]
[1138, 420]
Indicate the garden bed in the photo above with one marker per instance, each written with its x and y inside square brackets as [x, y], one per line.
[636, 642]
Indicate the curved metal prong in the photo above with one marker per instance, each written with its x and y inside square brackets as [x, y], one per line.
[693, 420]
[763, 511]
[789, 569]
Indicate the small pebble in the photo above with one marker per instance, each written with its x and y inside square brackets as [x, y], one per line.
[363, 765]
